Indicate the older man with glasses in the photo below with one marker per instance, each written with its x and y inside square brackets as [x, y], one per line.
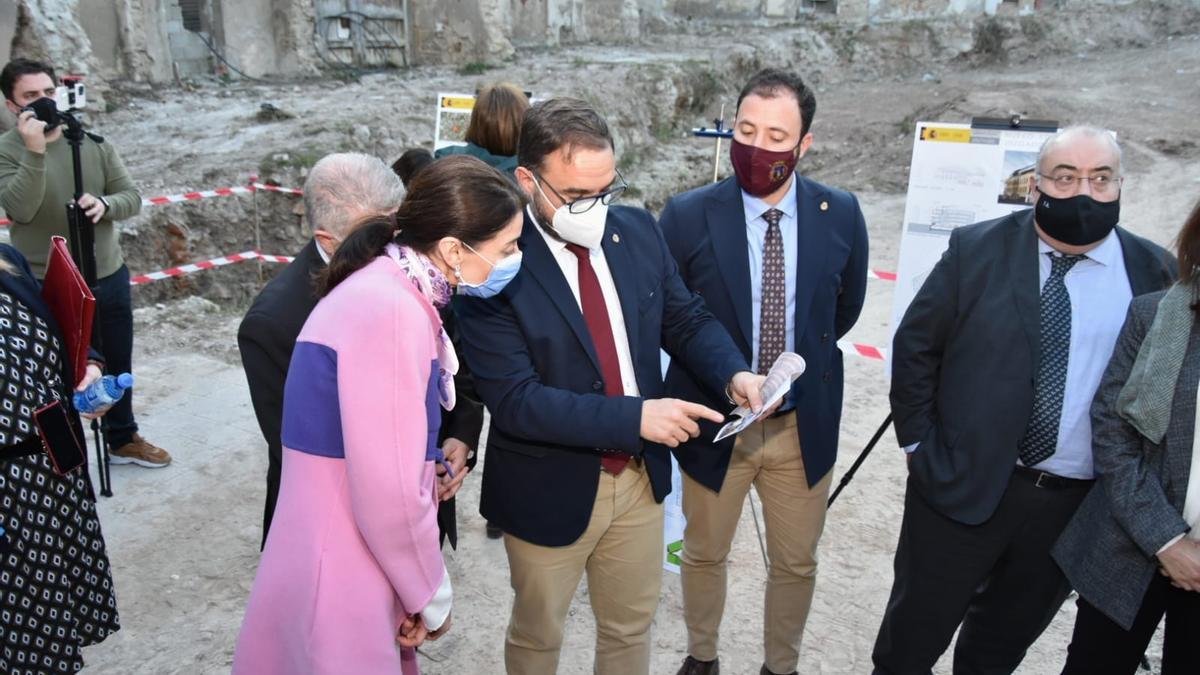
[995, 365]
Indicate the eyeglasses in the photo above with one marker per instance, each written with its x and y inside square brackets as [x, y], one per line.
[1069, 182]
[585, 204]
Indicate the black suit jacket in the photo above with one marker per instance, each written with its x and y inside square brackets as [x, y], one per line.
[537, 371]
[266, 338]
[706, 232]
[965, 356]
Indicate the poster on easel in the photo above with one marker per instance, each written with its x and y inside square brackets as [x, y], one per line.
[453, 115]
[959, 175]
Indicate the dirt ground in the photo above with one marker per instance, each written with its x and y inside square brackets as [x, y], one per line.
[184, 540]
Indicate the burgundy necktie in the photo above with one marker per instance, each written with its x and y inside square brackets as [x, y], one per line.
[772, 327]
[595, 313]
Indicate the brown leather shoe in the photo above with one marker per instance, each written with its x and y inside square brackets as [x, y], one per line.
[692, 666]
[141, 452]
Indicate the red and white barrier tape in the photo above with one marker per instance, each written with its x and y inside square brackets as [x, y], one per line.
[206, 265]
[865, 351]
[852, 348]
[252, 187]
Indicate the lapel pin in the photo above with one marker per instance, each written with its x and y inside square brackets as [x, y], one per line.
[824, 206]
[616, 238]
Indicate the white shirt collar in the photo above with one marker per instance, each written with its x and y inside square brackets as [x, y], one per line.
[556, 245]
[755, 207]
[1108, 253]
[321, 251]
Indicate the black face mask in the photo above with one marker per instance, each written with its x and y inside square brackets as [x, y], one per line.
[1078, 220]
[46, 110]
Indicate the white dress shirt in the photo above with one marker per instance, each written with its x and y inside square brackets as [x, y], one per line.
[569, 265]
[1191, 503]
[1100, 294]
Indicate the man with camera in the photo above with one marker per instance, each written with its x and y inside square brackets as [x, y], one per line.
[36, 182]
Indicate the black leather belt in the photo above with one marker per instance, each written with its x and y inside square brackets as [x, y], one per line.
[29, 446]
[1050, 481]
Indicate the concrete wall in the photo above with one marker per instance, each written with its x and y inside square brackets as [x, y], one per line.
[101, 22]
[461, 32]
[244, 30]
[8, 27]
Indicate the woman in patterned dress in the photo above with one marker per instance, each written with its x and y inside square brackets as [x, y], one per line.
[352, 577]
[56, 592]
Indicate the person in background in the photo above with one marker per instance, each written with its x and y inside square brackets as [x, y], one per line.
[36, 181]
[410, 163]
[56, 589]
[994, 367]
[781, 261]
[493, 135]
[495, 127]
[352, 566]
[1132, 551]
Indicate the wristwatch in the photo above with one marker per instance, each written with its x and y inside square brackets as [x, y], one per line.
[107, 206]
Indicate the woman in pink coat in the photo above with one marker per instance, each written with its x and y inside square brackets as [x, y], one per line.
[352, 578]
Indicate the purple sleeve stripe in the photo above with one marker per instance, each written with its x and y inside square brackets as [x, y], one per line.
[312, 421]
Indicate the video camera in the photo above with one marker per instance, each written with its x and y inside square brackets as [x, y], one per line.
[70, 96]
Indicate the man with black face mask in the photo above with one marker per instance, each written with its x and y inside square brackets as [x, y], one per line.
[781, 260]
[994, 367]
[36, 182]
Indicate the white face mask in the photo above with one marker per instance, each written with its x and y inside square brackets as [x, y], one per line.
[585, 229]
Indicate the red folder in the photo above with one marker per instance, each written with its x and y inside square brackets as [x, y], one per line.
[72, 304]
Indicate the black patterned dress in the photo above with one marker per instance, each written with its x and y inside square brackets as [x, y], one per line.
[56, 592]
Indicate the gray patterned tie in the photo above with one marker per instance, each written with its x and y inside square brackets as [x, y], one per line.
[772, 330]
[1041, 437]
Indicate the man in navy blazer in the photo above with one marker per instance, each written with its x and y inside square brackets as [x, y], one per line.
[781, 261]
[566, 358]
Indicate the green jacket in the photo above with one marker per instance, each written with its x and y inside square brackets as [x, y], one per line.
[34, 191]
[507, 163]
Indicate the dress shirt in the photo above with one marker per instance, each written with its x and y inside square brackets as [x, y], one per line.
[756, 235]
[1100, 295]
[569, 265]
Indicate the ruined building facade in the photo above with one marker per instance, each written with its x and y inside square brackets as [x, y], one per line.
[163, 40]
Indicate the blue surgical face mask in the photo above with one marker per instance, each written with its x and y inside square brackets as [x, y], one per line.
[502, 273]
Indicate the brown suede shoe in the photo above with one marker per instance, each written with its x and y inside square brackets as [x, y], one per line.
[141, 452]
[692, 666]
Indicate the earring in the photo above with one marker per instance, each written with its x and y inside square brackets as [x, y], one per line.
[458, 273]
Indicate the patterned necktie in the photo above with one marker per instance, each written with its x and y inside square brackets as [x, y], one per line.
[595, 314]
[772, 330]
[1041, 436]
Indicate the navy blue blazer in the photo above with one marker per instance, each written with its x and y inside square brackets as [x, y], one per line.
[706, 232]
[537, 372]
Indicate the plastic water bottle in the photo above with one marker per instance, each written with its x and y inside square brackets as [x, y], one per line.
[103, 392]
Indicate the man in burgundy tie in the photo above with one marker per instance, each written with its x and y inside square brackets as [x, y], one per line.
[781, 260]
[567, 360]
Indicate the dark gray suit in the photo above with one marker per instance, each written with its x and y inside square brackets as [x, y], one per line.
[1108, 551]
[975, 540]
[965, 356]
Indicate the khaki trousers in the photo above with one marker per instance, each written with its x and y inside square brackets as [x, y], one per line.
[621, 550]
[766, 455]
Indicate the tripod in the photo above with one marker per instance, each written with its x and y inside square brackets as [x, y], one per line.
[82, 238]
